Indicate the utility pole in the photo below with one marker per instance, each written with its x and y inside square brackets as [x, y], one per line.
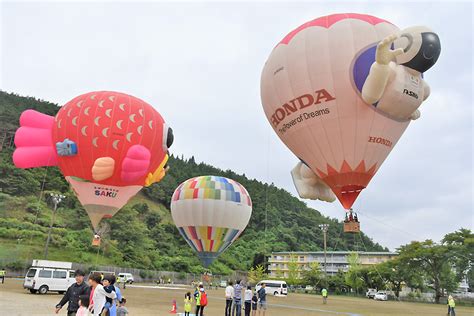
[324, 228]
[57, 198]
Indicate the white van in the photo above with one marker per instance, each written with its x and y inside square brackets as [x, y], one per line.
[273, 287]
[45, 275]
[126, 278]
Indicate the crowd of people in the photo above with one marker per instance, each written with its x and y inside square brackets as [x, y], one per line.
[252, 300]
[100, 297]
[236, 297]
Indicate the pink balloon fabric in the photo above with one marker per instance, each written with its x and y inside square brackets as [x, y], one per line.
[34, 141]
[136, 163]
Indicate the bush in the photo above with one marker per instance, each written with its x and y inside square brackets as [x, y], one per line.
[16, 265]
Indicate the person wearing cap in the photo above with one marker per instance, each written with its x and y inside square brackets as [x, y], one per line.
[72, 294]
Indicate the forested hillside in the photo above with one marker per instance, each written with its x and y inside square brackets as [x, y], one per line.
[142, 234]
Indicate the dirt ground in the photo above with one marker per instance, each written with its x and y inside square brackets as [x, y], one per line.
[149, 300]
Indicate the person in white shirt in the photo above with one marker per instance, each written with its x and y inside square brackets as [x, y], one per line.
[248, 300]
[229, 294]
[98, 294]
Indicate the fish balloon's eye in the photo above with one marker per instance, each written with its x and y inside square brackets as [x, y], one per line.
[168, 137]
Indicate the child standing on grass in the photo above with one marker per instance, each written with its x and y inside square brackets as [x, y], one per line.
[122, 310]
[254, 303]
[187, 303]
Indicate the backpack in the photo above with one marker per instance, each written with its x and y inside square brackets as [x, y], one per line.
[203, 299]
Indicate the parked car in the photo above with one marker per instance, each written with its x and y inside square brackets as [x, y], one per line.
[308, 289]
[46, 275]
[223, 283]
[371, 293]
[273, 287]
[126, 278]
[381, 296]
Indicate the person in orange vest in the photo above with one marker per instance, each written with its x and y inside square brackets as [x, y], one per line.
[201, 300]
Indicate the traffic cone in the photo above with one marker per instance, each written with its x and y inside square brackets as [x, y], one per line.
[173, 308]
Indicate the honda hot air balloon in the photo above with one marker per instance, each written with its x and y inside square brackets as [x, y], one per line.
[340, 91]
[210, 213]
[108, 145]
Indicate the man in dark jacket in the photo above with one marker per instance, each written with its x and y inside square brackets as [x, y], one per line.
[72, 294]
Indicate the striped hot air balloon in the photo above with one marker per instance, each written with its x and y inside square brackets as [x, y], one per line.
[210, 212]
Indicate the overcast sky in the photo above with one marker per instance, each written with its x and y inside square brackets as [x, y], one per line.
[199, 65]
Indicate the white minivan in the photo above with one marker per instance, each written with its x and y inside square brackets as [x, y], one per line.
[273, 287]
[126, 278]
[45, 275]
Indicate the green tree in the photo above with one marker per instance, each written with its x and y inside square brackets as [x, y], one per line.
[279, 273]
[337, 283]
[371, 277]
[293, 270]
[461, 249]
[353, 276]
[256, 274]
[433, 262]
[395, 273]
[313, 275]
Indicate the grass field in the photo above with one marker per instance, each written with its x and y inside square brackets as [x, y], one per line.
[149, 300]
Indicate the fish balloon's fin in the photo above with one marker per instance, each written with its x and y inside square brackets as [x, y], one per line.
[159, 173]
[136, 163]
[34, 141]
[103, 168]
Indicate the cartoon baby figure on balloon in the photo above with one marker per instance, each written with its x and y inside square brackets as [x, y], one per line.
[394, 85]
[395, 81]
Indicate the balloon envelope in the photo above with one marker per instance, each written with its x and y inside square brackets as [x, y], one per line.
[210, 213]
[107, 144]
[311, 94]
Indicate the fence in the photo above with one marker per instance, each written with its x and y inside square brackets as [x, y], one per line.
[18, 268]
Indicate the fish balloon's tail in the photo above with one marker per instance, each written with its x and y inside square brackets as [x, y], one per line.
[34, 141]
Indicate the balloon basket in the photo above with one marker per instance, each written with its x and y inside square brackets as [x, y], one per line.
[96, 241]
[352, 227]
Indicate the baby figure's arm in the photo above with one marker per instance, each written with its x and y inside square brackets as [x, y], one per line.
[380, 70]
